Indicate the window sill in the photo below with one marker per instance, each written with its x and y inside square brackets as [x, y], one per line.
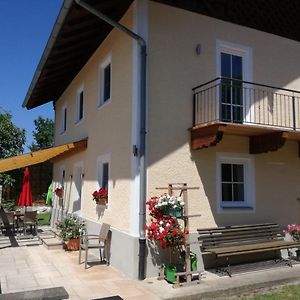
[100, 106]
[78, 122]
[238, 207]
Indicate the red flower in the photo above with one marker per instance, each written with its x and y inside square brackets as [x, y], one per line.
[100, 196]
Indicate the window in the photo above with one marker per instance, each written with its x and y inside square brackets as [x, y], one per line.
[235, 181]
[80, 99]
[234, 64]
[103, 166]
[64, 119]
[105, 81]
[104, 179]
[232, 88]
[232, 181]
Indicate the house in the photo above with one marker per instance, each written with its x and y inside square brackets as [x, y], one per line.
[222, 112]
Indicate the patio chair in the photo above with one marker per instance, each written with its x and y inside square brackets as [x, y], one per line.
[93, 241]
[30, 219]
[7, 220]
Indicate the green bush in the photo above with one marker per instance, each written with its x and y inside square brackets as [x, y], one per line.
[9, 205]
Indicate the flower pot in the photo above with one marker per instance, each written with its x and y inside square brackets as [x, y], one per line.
[102, 201]
[72, 244]
[175, 212]
[170, 273]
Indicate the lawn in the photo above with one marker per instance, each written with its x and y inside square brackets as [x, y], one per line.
[288, 292]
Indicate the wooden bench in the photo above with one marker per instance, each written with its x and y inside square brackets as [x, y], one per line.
[228, 241]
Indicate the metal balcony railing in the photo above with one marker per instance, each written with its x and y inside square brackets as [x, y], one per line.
[236, 101]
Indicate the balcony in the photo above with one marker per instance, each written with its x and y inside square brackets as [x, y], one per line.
[268, 115]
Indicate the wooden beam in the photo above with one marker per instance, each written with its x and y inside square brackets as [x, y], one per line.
[266, 142]
[206, 136]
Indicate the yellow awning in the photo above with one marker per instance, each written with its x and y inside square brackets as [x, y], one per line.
[33, 158]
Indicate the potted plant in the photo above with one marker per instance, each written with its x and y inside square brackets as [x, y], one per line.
[100, 196]
[170, 205]
[71, 228]
[294, 231]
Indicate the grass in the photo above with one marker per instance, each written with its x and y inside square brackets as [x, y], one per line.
[44, 218]
[288, 292]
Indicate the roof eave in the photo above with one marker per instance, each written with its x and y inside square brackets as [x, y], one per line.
[51, 41]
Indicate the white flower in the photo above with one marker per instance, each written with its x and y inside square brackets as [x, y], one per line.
[161, 222]
[161, 229]
[182, 203]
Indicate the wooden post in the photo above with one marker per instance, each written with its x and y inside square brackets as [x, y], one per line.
[186, 244]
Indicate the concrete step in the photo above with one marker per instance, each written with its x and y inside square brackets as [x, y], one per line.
[52, 243]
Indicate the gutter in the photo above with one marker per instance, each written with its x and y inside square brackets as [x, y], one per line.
[142, 137]
[51, 41]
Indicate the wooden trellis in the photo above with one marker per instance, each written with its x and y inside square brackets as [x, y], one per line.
[188, 274]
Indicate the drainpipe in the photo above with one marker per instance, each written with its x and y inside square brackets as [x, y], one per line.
[142, 137]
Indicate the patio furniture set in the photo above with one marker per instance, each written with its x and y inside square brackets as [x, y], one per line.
[19, 222]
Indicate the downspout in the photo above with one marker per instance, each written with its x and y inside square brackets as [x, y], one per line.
[142, 137]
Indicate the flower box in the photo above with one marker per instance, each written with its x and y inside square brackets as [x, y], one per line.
[175, 212]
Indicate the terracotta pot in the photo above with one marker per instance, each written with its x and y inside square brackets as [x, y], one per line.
[72, 244]
[102, 201]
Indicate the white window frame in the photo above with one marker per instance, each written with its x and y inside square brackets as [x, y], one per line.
[247, 62]
[107, 61]
[73, 186]
[79, 91]
[63, 119]
[249, 182]
[102, 159]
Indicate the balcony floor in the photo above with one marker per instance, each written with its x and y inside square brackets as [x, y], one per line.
[269, 137]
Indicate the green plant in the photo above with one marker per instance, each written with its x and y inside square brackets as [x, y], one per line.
[8, 205]
[70, 228]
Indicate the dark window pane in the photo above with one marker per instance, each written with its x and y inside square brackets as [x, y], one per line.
[226, 192]
[225, 65]
[237, 72]
[226, 91]
[237, 92]
[65, 120]
[106, 83]
[238, 173]
[105, 176]
[237, 114]
[226, 112]
[80, 115]
[226, 173]
[238, 192]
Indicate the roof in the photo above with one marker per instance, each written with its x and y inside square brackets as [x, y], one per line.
[24, 160]
[77, 34]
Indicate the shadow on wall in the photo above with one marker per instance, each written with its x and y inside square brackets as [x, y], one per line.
[277, 186]
[161, 256]
[100, 209]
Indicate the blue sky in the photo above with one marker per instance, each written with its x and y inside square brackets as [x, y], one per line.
[25, 26]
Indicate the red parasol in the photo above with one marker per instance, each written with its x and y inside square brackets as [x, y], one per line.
[25, 198]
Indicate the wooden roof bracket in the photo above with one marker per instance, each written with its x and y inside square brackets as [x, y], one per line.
[267, 142]
[204, 137]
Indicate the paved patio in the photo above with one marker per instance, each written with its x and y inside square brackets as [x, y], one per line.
[34, 267]
[26, 265]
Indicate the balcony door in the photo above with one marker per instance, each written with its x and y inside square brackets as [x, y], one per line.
[231, 88]
[234, 65]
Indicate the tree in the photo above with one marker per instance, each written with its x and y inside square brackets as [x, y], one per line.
[43, 134]
[12, 141]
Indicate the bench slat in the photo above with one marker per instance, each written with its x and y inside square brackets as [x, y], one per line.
[250, 247]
